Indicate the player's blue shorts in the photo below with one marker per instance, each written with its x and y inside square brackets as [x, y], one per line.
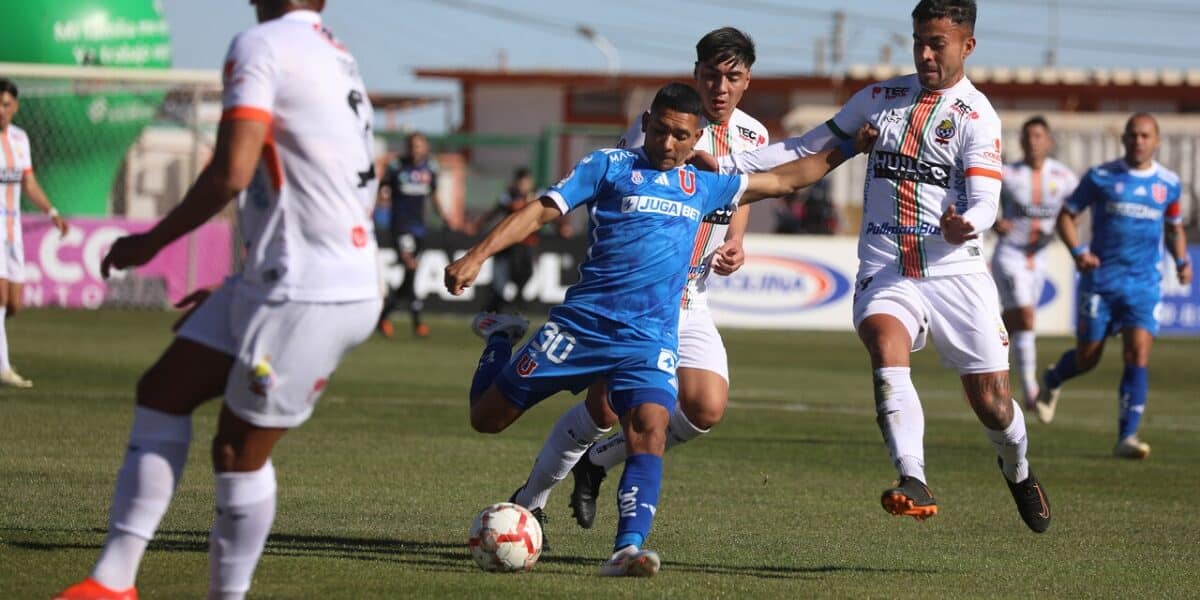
[1105, 313]
[557, 359]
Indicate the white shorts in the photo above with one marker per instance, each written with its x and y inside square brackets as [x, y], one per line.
[284, 352]
[700, 344]
[12, 264]
[961, 312]
[1019, 278]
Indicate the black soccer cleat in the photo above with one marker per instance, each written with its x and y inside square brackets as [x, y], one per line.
[538, 514]
[909, 497]
[1031, 499]
[588, 477]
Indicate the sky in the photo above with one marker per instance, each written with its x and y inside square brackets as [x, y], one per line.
[391, 38]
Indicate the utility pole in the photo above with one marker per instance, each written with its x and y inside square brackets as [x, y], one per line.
[839, 39]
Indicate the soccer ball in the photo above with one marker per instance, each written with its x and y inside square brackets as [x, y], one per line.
[505, 537]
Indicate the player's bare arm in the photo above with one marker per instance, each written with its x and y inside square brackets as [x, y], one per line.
[31, 189]
[789, 177]
[239, 146]
[1068, 232]
[731, 255]
[1176, 243]
[461, 273]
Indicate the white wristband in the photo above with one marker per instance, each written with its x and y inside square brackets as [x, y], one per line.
[53, 212]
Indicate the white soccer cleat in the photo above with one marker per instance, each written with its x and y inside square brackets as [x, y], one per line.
[631, 562]
[10, 378]
[1047, 401]
[1131, 447]
[485, 325]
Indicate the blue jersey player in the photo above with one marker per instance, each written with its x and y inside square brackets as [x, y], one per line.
[1134, 202]
[619, 322]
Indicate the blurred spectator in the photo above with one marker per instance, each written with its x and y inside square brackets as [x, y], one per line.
[809, 210]
[514, 265]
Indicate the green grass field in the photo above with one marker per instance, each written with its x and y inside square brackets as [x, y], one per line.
[782, 500]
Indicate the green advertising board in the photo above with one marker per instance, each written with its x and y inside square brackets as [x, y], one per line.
[79, 130]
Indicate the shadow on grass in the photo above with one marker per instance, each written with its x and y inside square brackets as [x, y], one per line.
[427, 555]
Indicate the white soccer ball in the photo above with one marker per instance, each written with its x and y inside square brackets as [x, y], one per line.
[505, 537]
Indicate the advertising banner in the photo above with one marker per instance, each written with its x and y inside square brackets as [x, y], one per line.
[1179, 313]
[65, 271]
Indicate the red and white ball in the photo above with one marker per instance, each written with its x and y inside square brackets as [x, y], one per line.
[505, 537]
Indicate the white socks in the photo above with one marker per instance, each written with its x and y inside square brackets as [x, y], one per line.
[4, 364]
[1025, 355]
[245, 510]
[901, 420]
[568, 440]
[611, 452]
[1011, 445]
[154, 461]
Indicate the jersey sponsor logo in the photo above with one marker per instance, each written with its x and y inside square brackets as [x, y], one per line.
[964, 109]
[650, 204]
[1133, 210]
[8, 175]
[1159, 192]
[687, 181]
[944, 131]
[889, 92]
[899, 167]
[1038, 211]
[747, 134]
[778, 284]
[894, 229]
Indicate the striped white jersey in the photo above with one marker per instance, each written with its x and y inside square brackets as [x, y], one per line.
[1030, 200]
[741, 134]
[15, 162]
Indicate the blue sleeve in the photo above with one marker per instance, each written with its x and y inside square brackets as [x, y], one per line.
[721, 190]
[582, 184]
[1084, 195]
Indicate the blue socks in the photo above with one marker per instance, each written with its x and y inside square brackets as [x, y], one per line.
[495, 356]
[1134, 385]
[1063, 370]
[637, 499]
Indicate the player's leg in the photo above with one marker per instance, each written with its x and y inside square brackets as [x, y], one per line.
[186, 375]
[491, 410]
[1019, 282]
[7, 376]
[276, 380]
[1138, 328]
[1095, 320]
[645, 413]
[501, 275]
[408, 293]
[1019, 323]
[971, 339]
[891, 321]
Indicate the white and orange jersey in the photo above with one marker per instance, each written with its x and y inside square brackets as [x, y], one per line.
[15, 163]
[1030, 200]
[935, 149]
[742, 133]
[305, 216]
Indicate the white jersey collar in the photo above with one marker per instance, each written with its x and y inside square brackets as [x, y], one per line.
[303, 16]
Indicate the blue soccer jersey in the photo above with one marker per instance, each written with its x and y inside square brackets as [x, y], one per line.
[1129, 208]
[641, 227]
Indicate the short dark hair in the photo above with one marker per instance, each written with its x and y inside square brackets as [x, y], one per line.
[960, 12]
[1141, 115]
[720, 45]
[521, 173]
[1035, 120]
[8, 87]
[679, 97]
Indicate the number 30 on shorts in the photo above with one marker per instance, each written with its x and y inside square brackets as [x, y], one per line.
[555, 344]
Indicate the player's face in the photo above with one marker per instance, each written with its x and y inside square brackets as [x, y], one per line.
[670, 137]
[1140, 141]
[8, 108]
[524, 185]
[939, 50]
[1036, 143]
[418, 148]
[721, 87]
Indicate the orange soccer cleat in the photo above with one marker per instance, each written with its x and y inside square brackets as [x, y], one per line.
[909, 497]
[90, 589]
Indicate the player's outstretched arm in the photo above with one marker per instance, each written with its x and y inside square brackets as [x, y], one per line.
[789, 177]
[239, 146]
[461, 273]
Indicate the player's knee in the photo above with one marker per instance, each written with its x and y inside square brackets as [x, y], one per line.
[706, 412]
[646, 429]
[1137, 357]
[485, 424]
[1086, 359]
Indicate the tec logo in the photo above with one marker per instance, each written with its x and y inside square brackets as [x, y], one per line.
[889, 92]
